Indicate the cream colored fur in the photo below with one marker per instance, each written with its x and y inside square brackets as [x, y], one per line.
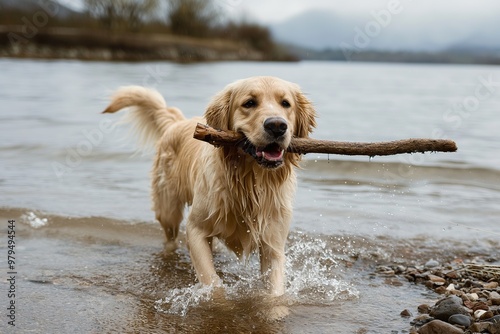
[232, 197]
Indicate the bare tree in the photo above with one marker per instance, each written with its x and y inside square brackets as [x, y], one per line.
[131, 13]
[192, 17]
[136, 12]
[103, 10]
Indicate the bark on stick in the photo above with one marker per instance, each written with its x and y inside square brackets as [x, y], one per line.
[310, 145]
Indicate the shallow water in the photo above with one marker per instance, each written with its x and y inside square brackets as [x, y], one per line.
[90, 250]
[101, 276]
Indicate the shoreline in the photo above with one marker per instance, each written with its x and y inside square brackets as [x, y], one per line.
[71, 43]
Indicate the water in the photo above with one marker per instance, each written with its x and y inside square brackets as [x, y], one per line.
[80, 192]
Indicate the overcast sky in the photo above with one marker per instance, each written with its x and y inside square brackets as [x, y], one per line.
[271, 11]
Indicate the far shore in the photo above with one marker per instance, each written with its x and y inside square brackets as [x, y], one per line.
[71, 43]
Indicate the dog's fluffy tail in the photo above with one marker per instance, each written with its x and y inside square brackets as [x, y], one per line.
[149, 113]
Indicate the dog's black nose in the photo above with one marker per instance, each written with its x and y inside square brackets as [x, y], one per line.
[275, 126]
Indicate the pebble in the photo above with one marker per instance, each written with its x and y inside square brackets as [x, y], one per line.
[421, 320]
[495, 319]
[436, 279]
[470, 301]
[460, 319]
[486, 316]
[424, 308]
[405, 313]
[495, 298]
[472, 296]
[447, 307]
[439, 327]
[479, 327]
[494, 328]
[479, 313]
[431, 264]
[474, 306]
[490, 285]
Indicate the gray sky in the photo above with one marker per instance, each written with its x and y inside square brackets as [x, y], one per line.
[271, 11]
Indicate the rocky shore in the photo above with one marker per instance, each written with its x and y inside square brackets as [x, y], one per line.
[470, 296]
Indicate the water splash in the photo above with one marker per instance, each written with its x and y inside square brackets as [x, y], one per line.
[179, 301]
[312, 269]
[312, 274]
[34, 221]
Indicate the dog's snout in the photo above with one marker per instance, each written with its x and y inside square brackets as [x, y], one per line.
[275, 126]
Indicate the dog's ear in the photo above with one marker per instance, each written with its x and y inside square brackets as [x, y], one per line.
[305, 119]
[219, 109]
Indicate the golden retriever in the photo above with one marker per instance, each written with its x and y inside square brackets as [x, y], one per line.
[241, 195]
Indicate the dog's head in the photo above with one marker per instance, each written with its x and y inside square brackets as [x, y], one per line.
[268, 111]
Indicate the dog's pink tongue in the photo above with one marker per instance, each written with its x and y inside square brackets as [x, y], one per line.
[273, 154]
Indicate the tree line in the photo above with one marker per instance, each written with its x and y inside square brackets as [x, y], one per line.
[194, 18]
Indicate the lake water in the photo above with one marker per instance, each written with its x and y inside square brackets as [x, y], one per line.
[79, 192]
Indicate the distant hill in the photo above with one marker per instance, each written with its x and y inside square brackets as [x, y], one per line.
[32, 6]
[319, 30]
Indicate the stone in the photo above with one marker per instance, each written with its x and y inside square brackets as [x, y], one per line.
[490, 285]
[495, 319]
[424, 309]
[494, 297]
[440, 289]
[472, 296]
[439, 327]
[421, 320]
[457, 293]
[460, 319]
[474, 306]
[431, 264]
[494, 327]
[486, 316]
[452, 274]
[479, 327]
[447, 307]
[405, 313]
[450, 287]
[479, 313]
[436, 279]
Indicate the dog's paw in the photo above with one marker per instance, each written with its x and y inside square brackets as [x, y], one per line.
[169, 247]
[278, 312]
[218, 293]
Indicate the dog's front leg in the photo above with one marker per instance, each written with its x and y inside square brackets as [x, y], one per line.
[201, 254]
[272, 265]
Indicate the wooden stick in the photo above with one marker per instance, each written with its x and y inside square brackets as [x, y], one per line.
[309, 145]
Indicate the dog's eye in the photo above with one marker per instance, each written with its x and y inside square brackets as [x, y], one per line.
[249, 104]
[285, 104]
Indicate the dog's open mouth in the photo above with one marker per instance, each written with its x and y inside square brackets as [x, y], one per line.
[270, 156]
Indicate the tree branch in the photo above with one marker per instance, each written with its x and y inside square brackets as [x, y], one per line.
[309, 145]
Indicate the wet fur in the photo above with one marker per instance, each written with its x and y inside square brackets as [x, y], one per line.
[232, 197]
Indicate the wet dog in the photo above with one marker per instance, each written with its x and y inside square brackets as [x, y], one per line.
[241, 195]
